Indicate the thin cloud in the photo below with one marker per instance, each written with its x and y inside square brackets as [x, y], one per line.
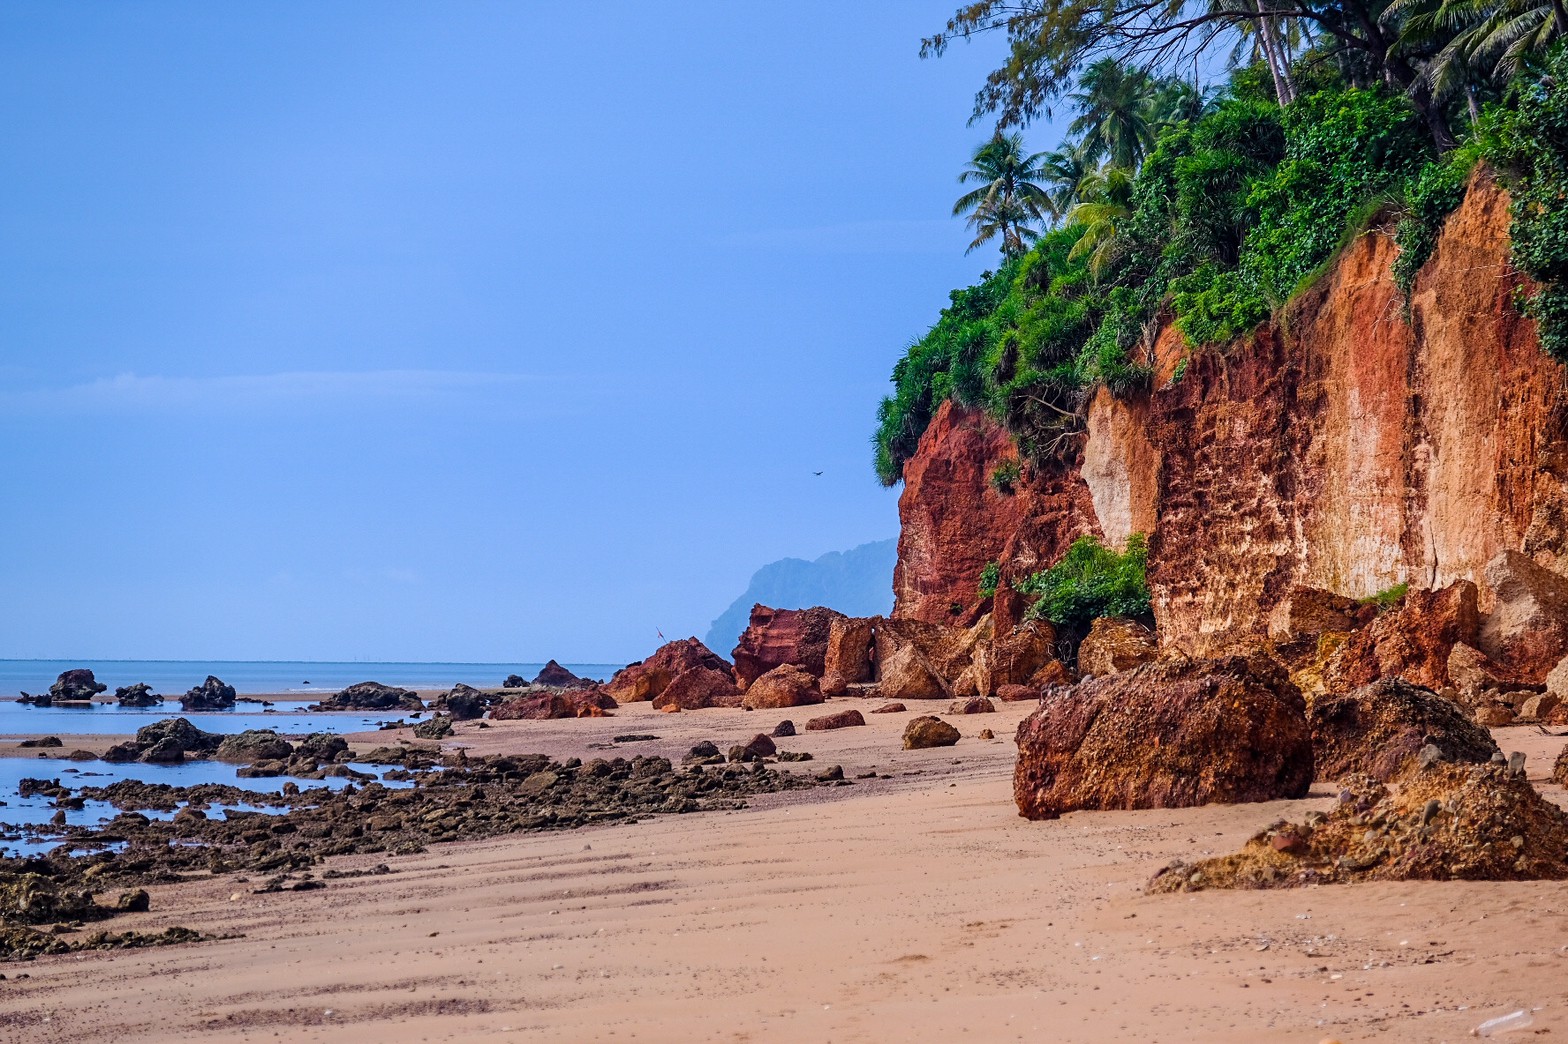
[134, 393]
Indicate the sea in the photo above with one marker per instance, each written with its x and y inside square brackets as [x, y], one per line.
[250, 677]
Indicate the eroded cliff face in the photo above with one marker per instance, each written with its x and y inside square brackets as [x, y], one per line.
[1342, 447]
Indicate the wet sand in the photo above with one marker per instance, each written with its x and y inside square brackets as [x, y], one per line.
[918, 907]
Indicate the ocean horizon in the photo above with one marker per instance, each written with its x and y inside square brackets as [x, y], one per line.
[249, 677]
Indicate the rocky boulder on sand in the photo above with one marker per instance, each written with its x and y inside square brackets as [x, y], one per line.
[698, 688]
[776, 637]
[647, 679]
[851, 649]
[1166, 735]
[514, 681]
[1115, 644]
[1528, 627]
[1412, 641]
[138, 695]
[841, 720]
[211, 694]
[928, 731]
[1014, 658]
[908, 675]
[254, 745]
[464, 703]
[369, 695]
[1376, 728]
[783, 686]
[973, 705]
[554, 676]
[1445, 822]
[574, 703]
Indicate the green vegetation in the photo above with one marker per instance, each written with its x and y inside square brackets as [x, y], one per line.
[1091, 581]
[1386, 598]
[1007, 202]
[990, 578]
[1005, 475]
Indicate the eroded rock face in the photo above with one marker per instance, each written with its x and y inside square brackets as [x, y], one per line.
[699, 687]
[783, 686]
[1309, 612]
[1014, 658]
[1447, 822]
[776, 637]
[851, 649]
[1375, 729]
[1165, 735]
[907, 675]
[1527, 628]
[1115, 644]
[591, 702]
[1412, 641]
[647, 679]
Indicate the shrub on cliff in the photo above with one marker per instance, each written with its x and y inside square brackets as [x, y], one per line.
[1089, 582]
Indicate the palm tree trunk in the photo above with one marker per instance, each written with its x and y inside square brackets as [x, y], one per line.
[1271, 27]
[1266, 42]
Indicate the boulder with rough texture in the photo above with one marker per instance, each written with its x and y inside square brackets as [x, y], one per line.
[697, 688]
[1017, 693]
[254, 745]
[1446, 822]
[1308, 612]
[889, 708]
[949, 650]
[1538, 707]
[187, 737]
[1471, 670]
[1413, 640]
[908, 675]
[1166, 735]
[648, 678]
[851, 649]
[138, 695]
[761, 745]
[592, 702]
[321, 746]
[1527, 629]
[463, 703]
[1494, 715]
[973, 705]
[783, 686]
[776, 637]
[784, 728]
[371, 696]
[515, 681]
[212, 694]
[928, 731]
[1014, 658]
[841, 720]
[554, 676]
[1560, 768]
[75, 685]
[1115, 644]
[1376, 728]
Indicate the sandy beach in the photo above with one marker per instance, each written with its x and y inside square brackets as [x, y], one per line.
[916, 907]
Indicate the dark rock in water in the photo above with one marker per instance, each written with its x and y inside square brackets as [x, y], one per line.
[321, 746]
[164, 752]
[254, 745]
[369, 695]
[265, 769]
[1377, 727]
[438, 727]
[78, 684]
[42, 741]
[121, 752]
[784, 728]
[187, 736]
[138, 695]
[465, 703]
[514, 681]
[211, 694]
[557, 677]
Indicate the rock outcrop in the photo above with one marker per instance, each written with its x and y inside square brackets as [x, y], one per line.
[554, 676]
[1115, 644]
[776, 637]
[464, 702]
[840, 720]
[590, 702]
[783, 686]
[212, 694]
[1165, 735]
[137, 695]
[1377, 728]
[699, 687]
[371, 696]
[648, 678]
[76, 685]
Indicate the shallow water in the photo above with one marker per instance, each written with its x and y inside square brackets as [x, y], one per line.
[20, 720]
[37, 810]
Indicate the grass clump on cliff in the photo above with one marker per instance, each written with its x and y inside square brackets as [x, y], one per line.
[990, 579]
[1089, 582]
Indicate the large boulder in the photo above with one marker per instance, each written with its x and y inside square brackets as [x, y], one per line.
[647, 679]
[948, 650]
[554, 676]
[928, 731]
[1374, 729]
[907, 675]
[77, 684]
[1472, 671]
[776, 637]
[138, 695]
[851, 651]
[1115, 644]
[699, 687]
[1412, 641]
[1165, 735]
[212, 694]
[371, 696]
[1307, 613]
[1013, 658]
[840, 720]
[592, 702]
[464, 703]
[783, 686]
[254, 745]
[181, 733]
[1528, 627]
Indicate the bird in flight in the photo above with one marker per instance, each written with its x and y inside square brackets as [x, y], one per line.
[816, 472]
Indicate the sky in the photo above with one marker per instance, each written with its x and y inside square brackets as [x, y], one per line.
[453, 331]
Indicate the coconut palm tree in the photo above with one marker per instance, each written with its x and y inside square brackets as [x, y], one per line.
[1113, 106]
[1007, 201]
[1105, 202]
[1477, 39]
[1064, 172]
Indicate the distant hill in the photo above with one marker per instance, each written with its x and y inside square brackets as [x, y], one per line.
[858, 582]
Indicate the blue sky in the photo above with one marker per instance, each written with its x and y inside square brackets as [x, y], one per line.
[458, 330]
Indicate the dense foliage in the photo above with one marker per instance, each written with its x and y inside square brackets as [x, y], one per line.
[1091, 581]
